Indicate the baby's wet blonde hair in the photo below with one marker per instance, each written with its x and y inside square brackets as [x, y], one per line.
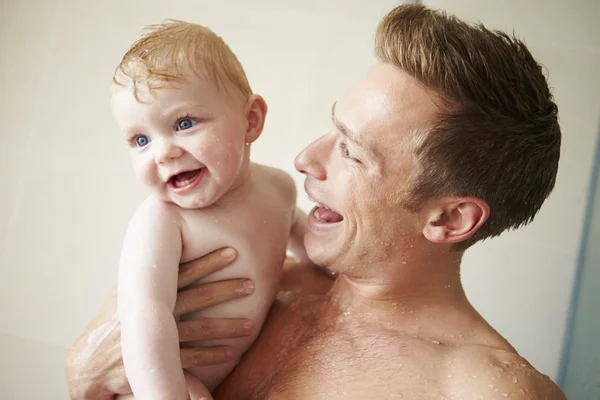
[166, 52]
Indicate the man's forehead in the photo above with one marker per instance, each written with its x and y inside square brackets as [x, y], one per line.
[385, 99]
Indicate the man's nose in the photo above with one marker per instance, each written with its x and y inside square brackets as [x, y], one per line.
[165, 151]
[311, 160]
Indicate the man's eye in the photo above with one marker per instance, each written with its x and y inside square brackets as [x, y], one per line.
[142, 141]
[346, 152]
[185, 123]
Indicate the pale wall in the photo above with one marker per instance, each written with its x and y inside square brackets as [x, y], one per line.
[68, 190]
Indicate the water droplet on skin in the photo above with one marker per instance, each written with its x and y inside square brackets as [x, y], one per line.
[435, 342]
[515, 380]
[504, 394]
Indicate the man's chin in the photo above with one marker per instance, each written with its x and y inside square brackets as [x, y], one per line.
[322, 256]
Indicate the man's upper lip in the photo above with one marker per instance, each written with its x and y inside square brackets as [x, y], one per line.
[316, 199]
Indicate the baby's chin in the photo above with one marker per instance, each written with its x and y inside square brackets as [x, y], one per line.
[190, 203]
[200, 198]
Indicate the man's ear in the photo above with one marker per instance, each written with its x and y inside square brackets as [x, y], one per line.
[456, 220]
[256, 112]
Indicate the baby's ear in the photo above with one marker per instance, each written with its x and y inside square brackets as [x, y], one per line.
[256, 112]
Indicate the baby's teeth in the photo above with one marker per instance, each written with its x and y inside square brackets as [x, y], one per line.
[183, 183]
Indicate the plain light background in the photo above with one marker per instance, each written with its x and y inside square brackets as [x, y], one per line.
[68, 190]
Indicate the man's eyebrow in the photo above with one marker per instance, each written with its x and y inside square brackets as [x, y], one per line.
[347, 132]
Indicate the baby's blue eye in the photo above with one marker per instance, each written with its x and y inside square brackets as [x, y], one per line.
[142, 141]
[185, 123]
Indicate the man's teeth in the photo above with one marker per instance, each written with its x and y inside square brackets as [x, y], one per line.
[316, 214]
[319, 204]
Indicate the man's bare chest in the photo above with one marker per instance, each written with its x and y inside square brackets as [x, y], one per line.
[299, 358]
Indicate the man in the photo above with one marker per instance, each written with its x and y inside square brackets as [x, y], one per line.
[450, 139]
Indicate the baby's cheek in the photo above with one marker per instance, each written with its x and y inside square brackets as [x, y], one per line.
[146, 173]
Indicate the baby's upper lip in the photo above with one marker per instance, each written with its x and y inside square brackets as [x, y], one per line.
[180, 171]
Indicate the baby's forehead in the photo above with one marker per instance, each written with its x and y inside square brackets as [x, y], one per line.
[195, 87]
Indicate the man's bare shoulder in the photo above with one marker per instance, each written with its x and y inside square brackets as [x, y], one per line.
[491, 373]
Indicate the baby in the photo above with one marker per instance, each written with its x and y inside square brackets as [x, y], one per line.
[183, 103]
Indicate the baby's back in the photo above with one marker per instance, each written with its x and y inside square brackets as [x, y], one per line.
[256, 221]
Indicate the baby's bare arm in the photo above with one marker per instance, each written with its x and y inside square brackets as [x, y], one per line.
[287, 187]
[296, 241]
[147, 293]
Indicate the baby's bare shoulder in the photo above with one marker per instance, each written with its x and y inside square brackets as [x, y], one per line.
[278, 179]
[153, 210]
[492, 373]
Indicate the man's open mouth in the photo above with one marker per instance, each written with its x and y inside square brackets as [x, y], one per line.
[186, 180]
[325, 214]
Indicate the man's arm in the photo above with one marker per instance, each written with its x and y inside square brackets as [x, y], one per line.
[147, 291]
[94, 368]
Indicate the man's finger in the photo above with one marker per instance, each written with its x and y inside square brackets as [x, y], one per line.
[194, 270]
[213, 329]
[209, 294]
[201, 356]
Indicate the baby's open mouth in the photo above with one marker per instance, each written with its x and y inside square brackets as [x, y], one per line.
[186, 179]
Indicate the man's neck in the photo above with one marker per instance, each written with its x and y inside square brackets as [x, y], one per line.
[416, 289]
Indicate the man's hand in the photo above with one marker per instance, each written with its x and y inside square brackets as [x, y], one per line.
[94, 362]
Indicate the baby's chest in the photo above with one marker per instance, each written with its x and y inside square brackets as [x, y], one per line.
[255, 229]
